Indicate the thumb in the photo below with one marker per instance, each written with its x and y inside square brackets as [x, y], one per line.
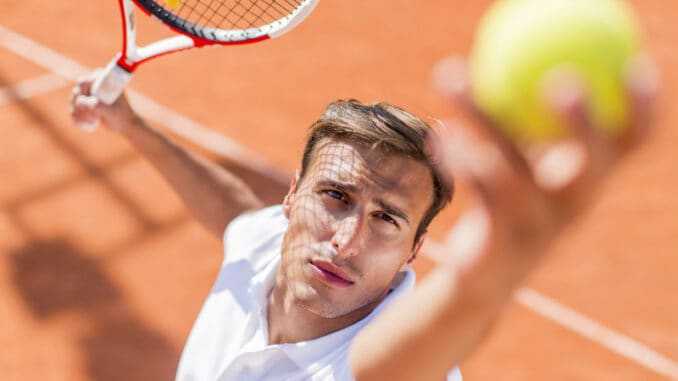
[84, 83]
[84, 109]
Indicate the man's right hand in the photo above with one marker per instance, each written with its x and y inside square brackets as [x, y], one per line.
[86, 109]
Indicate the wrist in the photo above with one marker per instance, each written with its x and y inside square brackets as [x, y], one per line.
[128, 124]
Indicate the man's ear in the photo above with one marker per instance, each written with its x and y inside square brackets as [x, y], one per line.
[289, 197]
[415, 252]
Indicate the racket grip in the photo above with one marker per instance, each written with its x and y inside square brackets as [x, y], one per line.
[107, 88]
[110, 83]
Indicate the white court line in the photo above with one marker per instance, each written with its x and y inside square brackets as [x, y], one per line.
[578, 323]
[41, 55]
[222, 145]
[179, 124]
[596, 332]
[207, 138]
[31, 87]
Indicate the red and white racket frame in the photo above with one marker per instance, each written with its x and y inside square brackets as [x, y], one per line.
[111, 81]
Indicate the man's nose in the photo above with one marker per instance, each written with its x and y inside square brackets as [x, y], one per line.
[347, 236]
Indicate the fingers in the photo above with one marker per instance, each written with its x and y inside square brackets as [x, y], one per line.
[451, 79]
[496, 169]
[83, 106]
[80, 94]
[84, 112]
[469, 238]
[445, 157]
[507, 206]
[589, 150]
[84, 83]
[479, 163]
[562, 175]
[569, 169]
[528, 193]
[642, 84]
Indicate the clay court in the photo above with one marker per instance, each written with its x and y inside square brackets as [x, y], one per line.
[102, 271]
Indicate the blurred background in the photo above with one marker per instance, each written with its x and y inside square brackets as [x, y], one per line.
[102, 271]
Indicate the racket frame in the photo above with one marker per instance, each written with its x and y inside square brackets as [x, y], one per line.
[112, 80]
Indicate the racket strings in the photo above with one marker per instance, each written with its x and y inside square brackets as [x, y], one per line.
[272, 12]
[232, 14]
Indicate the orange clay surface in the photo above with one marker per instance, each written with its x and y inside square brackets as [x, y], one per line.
[102, 271]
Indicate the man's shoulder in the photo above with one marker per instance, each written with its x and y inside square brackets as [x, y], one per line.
[254, 232]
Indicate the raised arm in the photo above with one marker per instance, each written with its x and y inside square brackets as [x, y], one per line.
[524, 203]
[212, 194]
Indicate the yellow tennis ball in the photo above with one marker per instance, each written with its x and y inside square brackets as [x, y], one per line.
[174, 4]
[518, 42]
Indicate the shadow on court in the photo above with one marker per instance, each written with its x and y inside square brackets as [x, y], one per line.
[55, 279]
[62, 285]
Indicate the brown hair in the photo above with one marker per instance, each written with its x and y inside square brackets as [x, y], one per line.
[383, 127]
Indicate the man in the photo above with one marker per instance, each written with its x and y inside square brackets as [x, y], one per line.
[300, 282]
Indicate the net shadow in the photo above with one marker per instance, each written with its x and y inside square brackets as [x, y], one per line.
[54, 278]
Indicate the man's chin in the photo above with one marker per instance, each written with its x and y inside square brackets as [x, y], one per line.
[324, 310]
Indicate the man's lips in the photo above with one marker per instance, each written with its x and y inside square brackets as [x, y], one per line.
[332, 273]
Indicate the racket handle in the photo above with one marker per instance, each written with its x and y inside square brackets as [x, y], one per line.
[107, 88]
[111, 82]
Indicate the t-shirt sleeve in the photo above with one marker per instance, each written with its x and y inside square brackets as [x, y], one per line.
[249, 231]
[454, 375]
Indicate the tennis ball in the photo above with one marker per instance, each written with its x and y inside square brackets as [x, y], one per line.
[519, 42]
[174, 4]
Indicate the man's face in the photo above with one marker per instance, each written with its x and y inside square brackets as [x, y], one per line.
[352, 224]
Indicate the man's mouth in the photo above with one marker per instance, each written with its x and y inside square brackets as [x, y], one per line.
[331, 273]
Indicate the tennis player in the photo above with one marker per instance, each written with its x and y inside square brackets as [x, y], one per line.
[320, 287]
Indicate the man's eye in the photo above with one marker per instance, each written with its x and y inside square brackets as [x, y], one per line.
[336, 195]
[387, 218]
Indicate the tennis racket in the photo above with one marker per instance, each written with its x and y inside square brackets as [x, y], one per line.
[197, 23]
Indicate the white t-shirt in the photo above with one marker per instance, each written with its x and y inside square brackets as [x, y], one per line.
[229, 340]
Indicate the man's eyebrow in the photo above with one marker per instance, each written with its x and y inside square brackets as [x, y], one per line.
[350, 188]
[390, 209]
